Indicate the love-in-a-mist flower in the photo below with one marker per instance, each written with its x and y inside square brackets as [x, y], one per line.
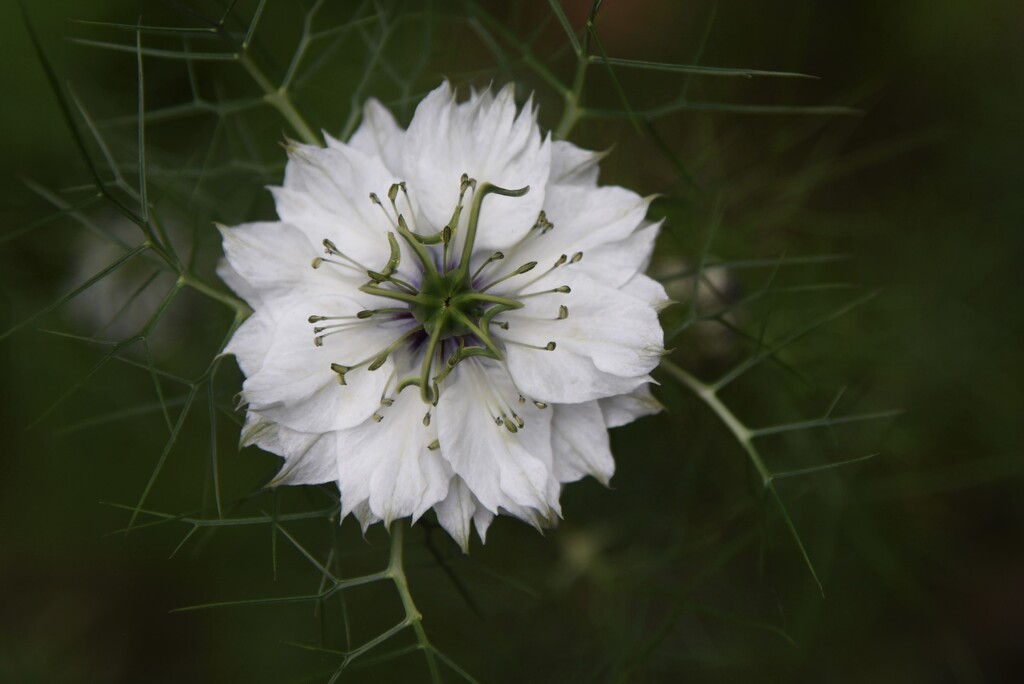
[449, 316]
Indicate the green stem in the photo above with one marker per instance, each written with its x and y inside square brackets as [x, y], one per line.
[277, 97]
[190, 281]
[709, 395]
[396, 571]
[572, 111]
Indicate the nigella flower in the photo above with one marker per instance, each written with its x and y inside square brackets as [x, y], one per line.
[448, 317]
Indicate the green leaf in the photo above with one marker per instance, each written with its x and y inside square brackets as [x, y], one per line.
[694, 69]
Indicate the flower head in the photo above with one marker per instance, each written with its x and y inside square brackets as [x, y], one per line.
[449, 316]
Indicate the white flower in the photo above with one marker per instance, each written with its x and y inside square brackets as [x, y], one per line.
[477, 320]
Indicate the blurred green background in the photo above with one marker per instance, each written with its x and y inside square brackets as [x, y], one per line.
[681, 571]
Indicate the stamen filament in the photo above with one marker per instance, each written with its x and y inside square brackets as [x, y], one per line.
[525, 268]
[377, 359]
[564, 289]
[497, 256]
[317, 262]
[332, 249]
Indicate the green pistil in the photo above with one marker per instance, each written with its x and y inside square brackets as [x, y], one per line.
[482, 191]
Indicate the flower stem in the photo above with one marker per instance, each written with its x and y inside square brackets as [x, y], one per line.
[278, 99]
[572, 112]
[396, 571]
[745, 436]
[190, 281]
[709, 395]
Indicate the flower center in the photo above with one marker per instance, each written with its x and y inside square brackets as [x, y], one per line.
[446, 303]
[451, 306]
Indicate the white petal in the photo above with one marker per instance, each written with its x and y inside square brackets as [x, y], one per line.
[378, 135]
[485, 139]
[308, 458]
[616, 263]
[251, 342]
[596, 221]
[482, 520]
[455, 512]
[607, 345]
[569, 377]
[364, 515]
[326, 194]
[389, 464]
[647, 290]
[571, 165]
[626, 408]
[295, 384]
[501, 468]
[238, 284]
[269, 255]
[580, 442]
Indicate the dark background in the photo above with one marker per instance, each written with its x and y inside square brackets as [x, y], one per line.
[681, 570]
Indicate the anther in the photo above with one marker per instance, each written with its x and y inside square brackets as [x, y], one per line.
[365, 313]
[316, 262]
[563, 312]
[522, 400]
[550, 346]
[519, 421]
[386, 401]
[330, 247]
[340, 370]
[540, 404]
[542, 223]
[509, 425]
[374, 198]
[497, 256]
[561, 260]
[434, 446]
[426, 419]
[577, 257]
[564, 289]
[526, 268]
[380, 361]
[377, 417]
